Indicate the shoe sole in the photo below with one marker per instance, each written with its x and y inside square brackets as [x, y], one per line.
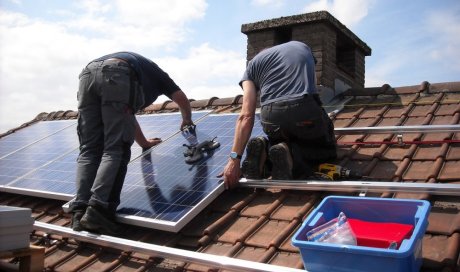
[251, 164]
[281, 163]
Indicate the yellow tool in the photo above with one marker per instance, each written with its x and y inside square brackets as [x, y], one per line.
[335, 172]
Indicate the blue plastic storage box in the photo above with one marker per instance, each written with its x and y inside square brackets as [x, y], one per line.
[323, 257]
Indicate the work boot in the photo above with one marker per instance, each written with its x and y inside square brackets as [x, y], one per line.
[98, 222]
[256, 155]
[281, 158]
[75, 223]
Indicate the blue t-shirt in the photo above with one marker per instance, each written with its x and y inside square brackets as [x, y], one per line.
[151, 77]
[282, 72]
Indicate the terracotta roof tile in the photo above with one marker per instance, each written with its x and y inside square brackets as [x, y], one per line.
[420, 170]
[420, 110]
[255, 254]
[373, 112]
[267, 235]
[428, 152]
[366, 152]
[294, 206]
[445, 221]
[262, 205]
[450, 171]
[287, 259]
[384, 170]
[234, 232]
[446, 109]
[454, 152]
[440, 251]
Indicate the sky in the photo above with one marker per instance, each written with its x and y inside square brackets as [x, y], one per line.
[44, 44]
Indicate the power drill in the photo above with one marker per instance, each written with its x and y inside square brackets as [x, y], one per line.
[335, 172]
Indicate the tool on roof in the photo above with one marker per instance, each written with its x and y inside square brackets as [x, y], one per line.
[195, 153]
[335, 172]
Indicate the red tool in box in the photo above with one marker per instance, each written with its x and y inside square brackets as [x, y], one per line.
[380, 235]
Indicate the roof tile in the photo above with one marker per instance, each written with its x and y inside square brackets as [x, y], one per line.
[446, 109]
[454, 152]
[450, 171]
[287, 259]
[373, 112]
[234, 232]
[428, 152]
[262, 205]
[444, 221]
[440, 251]
[267, 235]
[254, 254]
[384, 170]
[420, 170]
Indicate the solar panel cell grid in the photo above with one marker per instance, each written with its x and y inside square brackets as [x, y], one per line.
[31, 134]
[45, 151]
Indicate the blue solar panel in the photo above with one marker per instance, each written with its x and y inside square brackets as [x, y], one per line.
[164, 192]
[57, 179]
[31, 134]
[45, 151]
[160, 191]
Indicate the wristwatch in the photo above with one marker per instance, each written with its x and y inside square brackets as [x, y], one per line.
[235, 155]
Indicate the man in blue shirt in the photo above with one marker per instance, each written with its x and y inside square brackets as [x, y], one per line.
[111, 90]
[300, 133]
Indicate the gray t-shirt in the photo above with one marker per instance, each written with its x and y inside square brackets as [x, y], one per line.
[282, 72]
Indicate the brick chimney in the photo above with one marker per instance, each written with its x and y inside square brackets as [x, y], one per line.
[339, 52]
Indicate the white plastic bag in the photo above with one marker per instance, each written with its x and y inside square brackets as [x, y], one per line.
[337, 231]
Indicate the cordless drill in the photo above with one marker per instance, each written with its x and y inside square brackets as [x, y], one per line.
[335, 172]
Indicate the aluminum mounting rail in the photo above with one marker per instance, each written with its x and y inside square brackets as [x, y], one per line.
[214, 261]
[355, 186]
[397, 129]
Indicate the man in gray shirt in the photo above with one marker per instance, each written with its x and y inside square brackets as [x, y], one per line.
[300, 133]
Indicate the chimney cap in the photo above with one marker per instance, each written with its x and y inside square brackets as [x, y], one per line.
[306, 18]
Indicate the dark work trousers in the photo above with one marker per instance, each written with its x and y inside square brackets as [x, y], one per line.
[106, 130]
[303, 124]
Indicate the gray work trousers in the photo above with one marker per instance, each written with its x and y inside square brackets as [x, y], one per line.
[303, 124]
[106, 130]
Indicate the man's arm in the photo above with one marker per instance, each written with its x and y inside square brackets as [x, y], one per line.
[184, 105]
[243, 129]
[142, 141]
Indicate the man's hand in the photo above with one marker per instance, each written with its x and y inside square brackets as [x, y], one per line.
[232, 174]
[150, 143]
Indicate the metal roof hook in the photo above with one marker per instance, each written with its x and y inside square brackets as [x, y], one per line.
[399, 137]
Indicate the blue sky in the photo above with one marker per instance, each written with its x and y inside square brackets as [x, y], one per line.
[44, 44]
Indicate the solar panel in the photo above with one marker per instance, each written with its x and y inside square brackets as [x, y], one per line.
[31, 134]
[42, 152]
[56, 179]
[162, 191]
